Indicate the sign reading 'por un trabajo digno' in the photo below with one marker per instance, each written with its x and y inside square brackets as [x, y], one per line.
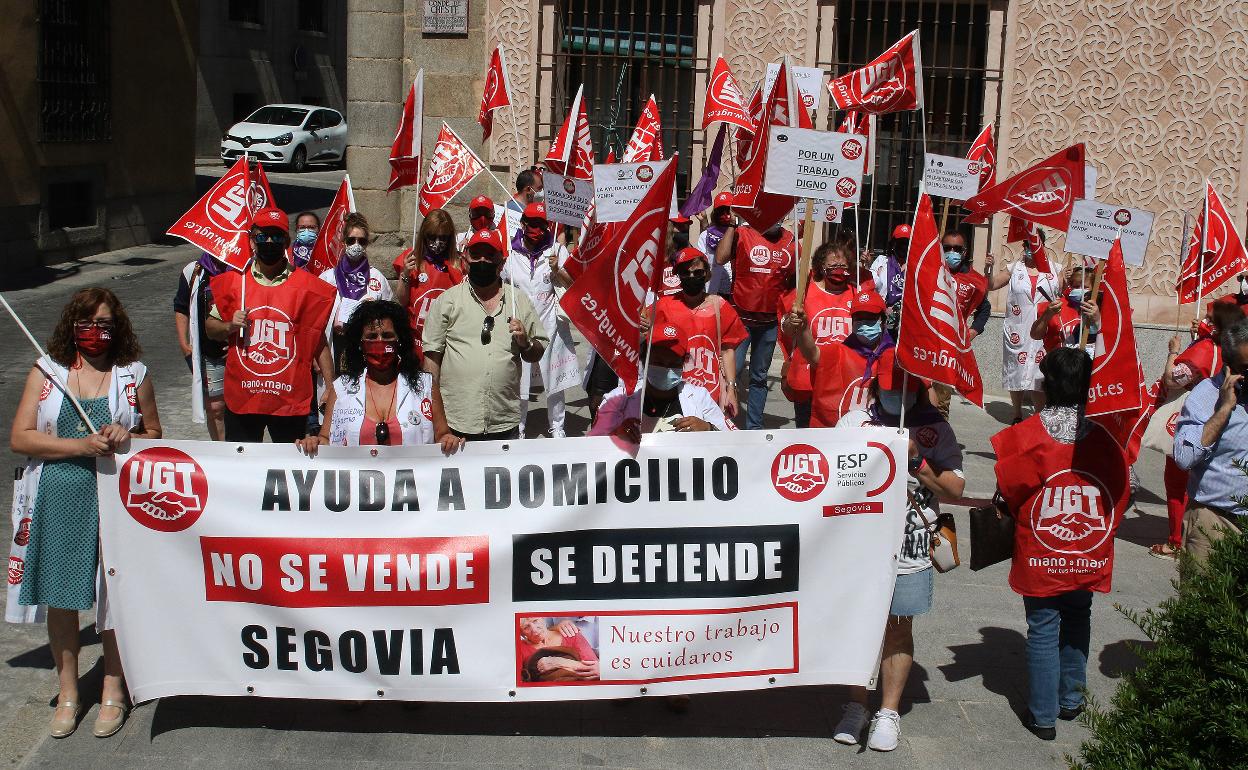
[815, 164]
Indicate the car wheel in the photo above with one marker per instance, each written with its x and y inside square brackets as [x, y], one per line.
[299, 160]
[227, 163]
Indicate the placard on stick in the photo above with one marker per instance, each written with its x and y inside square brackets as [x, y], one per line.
[1094, 225]
[567, 199]
[950, 177]
[815, 164]
[619, 187]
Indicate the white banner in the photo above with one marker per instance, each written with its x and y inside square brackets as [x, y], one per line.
[619, 187]
[1094, 225]
[825, 211]
[815, 164]
[575, 568]
[946, 176]
[809, 84]
[567, 199]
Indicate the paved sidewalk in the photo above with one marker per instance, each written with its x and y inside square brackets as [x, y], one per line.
[969, 670]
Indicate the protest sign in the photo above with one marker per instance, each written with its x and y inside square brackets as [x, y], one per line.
[567, 199]
[694, 563]
[946, 176]
[809, 83]
[815, 164]
[826, 212]
[1094, 225]
[619, 187]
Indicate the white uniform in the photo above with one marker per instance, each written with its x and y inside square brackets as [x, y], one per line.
[378, 288]
[1020, 354]
[559, 368]
[414, 408]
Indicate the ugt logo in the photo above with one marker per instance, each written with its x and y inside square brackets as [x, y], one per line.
[163, 489]
[799, 473]
[270, 343]
[1069, 515]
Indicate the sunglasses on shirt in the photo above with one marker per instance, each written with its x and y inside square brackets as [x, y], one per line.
[487, 326]
[382, 433]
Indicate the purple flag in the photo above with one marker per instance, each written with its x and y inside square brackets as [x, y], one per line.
[703, 193]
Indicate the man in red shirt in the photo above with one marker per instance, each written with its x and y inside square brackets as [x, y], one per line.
[276, 330]
[763, 267]
[828, 313]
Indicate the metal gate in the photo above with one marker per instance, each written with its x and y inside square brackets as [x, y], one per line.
[959, 80]
[75, 98]
[622, 51]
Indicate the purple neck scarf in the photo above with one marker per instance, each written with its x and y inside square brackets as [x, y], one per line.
[896, 276]
[437, 262]
[869, 354]
[211, 267]
[352, 280]
[714, 234]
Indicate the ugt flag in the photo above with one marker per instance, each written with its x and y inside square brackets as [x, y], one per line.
[646, 143]
[984, 151]
[220, 222]
[893, 82]
[495, 94]
[328, 248]
[1216, 252]
[932, 338]
[405, 152]
[1044, 194]
[622, 261]
[783, 108]
[452, 167]
[724, 100]
[1115, 385]
[1033, 242]
[572, 152]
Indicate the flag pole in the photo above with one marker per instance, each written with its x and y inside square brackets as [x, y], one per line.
[1096, 287]
[654, 303]
[1204, 243]
[803, 255]
[1178, 299]
[39, 349]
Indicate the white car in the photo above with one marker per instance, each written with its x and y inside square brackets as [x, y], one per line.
[292, 135]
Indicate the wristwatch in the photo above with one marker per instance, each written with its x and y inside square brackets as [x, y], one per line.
[916, 464]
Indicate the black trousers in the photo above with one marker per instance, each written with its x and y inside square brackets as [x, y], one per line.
[249, 428]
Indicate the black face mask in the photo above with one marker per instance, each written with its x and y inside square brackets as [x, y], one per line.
[692, 285]
[270, 253]
[901, 249]
[482, 273]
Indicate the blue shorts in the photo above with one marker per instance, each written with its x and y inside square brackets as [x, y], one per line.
[912, 594]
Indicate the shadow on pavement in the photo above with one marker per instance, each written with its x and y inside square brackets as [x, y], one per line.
[289, 198]
[41, 657]
[999, 659]
[1120, 658]
[38, 276]
[1144, 530]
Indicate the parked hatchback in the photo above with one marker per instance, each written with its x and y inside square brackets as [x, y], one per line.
[291, 135]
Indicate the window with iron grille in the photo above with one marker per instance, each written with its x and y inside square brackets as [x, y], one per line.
[957, 78]
[623, 51]
[75, 96]
[312, 15]
[247, 11]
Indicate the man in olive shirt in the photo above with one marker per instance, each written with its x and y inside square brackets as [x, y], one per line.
[475, 360]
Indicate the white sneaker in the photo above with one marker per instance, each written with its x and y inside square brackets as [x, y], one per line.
[849, 729]
[885, 730]
[558, 433]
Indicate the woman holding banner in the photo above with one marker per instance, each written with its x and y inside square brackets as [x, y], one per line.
[84, 400]
[382, 396]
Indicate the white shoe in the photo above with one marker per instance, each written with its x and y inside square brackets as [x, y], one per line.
[849, 729]
[558, 433]
[885, 730]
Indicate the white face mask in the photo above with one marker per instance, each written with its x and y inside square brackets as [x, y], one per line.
[539, 196]
[354, 252]
[662, 377]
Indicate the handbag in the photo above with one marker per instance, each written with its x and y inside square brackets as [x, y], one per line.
[943, 540]
[992, 534]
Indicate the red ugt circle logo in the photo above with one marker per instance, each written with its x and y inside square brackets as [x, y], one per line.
[799, 473]
[163, 489]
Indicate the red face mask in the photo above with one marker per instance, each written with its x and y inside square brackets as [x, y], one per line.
[837, 274]
[534, 233]
[93, 341]
[379, 355]
[481, 222]
[723, 219]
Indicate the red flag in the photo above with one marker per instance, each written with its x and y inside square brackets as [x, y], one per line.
[783, 108]
[1115, 383]
[724, 101]
[984, 150]
[1022, 230]
[1044, 194]
[405, 152]
[605, 303]
[220, 222]
[646, 143]
[744, 137]
[932, 337]
[1216, 240]
[452, 167]
[328, 248]
[1128, 427]
[495, 94]
[572, 152]
[893, 82]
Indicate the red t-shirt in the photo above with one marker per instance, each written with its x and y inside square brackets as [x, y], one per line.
[697, 328]
[830, 322]
[1063, 328]
[272, 373]
[839, 384]
[1067, 501]
[424, 289]
[761, 272]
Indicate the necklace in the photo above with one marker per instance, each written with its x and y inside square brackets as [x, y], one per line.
[82, 425]
[394, 390]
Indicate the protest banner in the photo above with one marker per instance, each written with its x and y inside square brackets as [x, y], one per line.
[1115, 383]
[815, 164]
[1094, 226]
[619, 187]
[946, 176]
[394, 573]
[567, 199]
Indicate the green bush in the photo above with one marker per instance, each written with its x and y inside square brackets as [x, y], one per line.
[1186, 705]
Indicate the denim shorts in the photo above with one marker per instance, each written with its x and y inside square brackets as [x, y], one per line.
[912, 594]
[214, 377]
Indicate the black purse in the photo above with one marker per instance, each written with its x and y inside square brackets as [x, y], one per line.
[992, 534]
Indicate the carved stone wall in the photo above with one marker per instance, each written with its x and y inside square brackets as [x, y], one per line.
[763, 31]
[514, 26]
[1158, 91]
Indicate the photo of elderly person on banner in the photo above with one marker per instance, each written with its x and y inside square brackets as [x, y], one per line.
[382, 396]
[551, 651]
[84, 400]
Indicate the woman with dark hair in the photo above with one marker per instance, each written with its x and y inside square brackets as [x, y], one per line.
[1065, 481]
[382, 396]
[93, 355]
[426, 270]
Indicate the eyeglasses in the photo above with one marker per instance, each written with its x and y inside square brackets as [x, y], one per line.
[487, 326]
[352, 240]
[103, 323]
[690, 273]
[952, 247]
[263, 237]
[382, 433]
